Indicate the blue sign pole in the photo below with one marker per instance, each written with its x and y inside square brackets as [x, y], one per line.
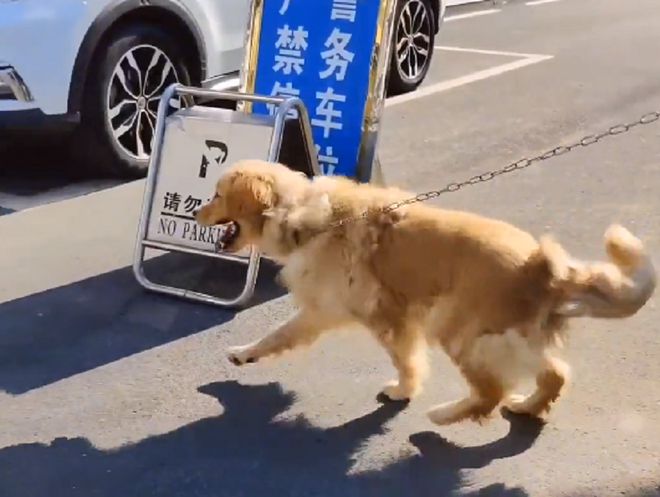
[332, 55]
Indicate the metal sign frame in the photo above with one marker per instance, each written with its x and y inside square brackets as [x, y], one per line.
[284, 107]
[367, 162]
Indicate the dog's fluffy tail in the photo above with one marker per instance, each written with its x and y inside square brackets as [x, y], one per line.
[609, 289]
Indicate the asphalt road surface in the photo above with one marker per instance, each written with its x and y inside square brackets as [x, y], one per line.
[106, 390]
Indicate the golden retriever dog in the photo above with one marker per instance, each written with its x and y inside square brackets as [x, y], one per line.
[493, 297]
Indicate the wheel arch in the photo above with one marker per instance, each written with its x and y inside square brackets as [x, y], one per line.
[437, 8]
[120, 13]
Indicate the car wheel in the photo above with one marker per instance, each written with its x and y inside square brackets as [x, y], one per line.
[131, 70]
[414, 34]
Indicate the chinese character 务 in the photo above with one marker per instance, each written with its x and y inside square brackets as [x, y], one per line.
[326, 109]
[327, 161]
[336, 57]
[172, 201]
[191, 203]
[290, 45]
[343, 10]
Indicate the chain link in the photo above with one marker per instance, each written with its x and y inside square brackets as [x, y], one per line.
[587, 141]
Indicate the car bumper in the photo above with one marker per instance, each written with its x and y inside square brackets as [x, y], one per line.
[18, 113]
[38, 46]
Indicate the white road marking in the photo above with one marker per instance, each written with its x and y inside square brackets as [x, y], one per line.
[452, 3]
[485, 52]
[539, 2]
[425, 91]
[478, 13]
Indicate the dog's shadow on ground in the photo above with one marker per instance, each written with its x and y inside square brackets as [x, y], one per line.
[247, 451]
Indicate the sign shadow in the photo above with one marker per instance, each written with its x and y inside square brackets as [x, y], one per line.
[67, 330]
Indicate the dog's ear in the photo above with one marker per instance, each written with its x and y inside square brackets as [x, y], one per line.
[251, 193]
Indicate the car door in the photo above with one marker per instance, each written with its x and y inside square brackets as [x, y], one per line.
[223, 24]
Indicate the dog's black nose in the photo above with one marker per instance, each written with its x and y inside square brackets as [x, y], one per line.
[195, 212]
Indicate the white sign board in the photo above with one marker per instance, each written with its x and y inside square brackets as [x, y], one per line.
[199, 142]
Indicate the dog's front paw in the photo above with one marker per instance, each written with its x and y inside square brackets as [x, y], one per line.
[395, 392]
[527, 405]
[517, 403]
[240, 355]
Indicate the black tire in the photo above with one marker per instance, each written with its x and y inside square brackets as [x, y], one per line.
[94, 143]
[401, 79]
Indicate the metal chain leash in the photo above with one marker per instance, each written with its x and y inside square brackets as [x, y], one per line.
[514, 166]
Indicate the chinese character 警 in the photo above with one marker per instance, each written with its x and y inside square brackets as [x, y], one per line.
[172, 201]
[290, 46]
[191, 203]
[327, 161]
[336, 57]
[281, 90]
[326, 110]
[343, 10]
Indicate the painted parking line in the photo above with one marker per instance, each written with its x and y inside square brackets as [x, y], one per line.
[539, 2]
[468, 15]
[482, 51]
[524, 60]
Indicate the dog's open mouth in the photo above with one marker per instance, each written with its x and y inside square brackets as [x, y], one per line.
[227, 233]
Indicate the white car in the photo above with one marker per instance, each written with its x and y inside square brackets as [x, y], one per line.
[96, 68]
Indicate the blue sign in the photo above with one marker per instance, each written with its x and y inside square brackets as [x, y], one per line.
[321, 51]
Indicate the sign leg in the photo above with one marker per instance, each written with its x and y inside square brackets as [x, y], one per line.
[377, 175]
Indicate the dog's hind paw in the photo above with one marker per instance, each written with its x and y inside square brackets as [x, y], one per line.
[240, 355]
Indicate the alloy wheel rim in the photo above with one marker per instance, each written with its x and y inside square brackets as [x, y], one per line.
[133, 95]
[413, 40]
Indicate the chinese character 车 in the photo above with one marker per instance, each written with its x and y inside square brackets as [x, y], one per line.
[326, 110]
[290, 46]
